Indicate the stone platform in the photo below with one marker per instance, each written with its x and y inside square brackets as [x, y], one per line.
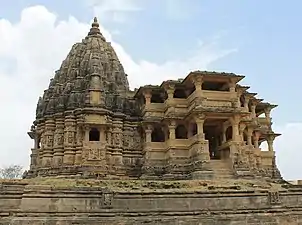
[51, 201]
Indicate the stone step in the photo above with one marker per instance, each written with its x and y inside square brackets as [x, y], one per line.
[221, 169]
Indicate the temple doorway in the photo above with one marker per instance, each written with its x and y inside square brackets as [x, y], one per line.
[212, 134]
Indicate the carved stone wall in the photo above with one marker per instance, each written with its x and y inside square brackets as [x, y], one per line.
[22, 204]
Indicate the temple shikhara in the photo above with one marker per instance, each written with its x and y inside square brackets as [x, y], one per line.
[183, 152]
[89, 123]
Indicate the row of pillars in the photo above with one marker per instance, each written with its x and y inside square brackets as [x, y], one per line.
[238, 131]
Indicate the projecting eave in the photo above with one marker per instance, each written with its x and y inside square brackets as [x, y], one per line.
[243, 88]
[250, 94]
[146, 88]
[31, 134]
[217, 75]
[268, 105]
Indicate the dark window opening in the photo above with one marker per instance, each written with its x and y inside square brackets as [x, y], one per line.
[229, 133]
[241, 101]
[190, 90]
[215, 86]
[181, 132]
[179, 93]
[194, 129]
[142, 100]
[94, 135]
[244, 137]
[157, 98]
[157, 135]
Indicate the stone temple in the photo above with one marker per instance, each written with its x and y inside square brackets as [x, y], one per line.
[182, 152]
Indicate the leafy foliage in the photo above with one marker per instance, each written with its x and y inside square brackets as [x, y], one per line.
[11, 172]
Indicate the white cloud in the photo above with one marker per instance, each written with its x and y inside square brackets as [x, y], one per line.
[114, 10]
[33, 48]
[287, 147]
[289, 151]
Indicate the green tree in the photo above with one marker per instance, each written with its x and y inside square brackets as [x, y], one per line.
[11, 172]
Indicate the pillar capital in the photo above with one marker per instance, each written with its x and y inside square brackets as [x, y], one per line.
[247, 98]
[270, 138]
[147, 93]
[253, 104]
[249, 130]
[242, 126]
[239, 92]
[148, 128]
[197, 81]
[169, 88]
[270, 141]
[172, 124]
[200, 118]
[267, 109]
[235, 119]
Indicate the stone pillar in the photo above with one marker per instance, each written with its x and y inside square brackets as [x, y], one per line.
[238, 104]
[148, 132]
[249, 135]
[224, 129]
[202, 146]
[232, 86]
[169, 88]
[172, 127]
[147, 95]
[267, 112]
[40, 134]
[147, 167]
[246, 103]
[36, 141]
[117, 141]
[79, 144]
[197, 81]
[253, 110]
[109, 136]
[48, 140]
[270, 142]
[69, 140]
[59, 143]
[199, 122]
[235, 127]
[33, 159]
[241, 131]
[86, 133]
[256, 139]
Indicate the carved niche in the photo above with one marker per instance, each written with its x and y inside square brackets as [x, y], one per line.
[107, 199]
[274, 198]
[49, 140]
[94, 152]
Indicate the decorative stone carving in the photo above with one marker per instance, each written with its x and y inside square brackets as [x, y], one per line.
[274, 198]
[107, 199]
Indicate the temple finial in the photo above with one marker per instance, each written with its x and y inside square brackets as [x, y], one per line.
[94, 30]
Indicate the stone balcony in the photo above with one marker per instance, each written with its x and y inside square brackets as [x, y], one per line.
[179, 107]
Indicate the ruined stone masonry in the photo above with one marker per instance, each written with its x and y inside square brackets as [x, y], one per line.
[182, 152]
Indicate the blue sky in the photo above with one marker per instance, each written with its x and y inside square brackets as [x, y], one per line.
[265, 34]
